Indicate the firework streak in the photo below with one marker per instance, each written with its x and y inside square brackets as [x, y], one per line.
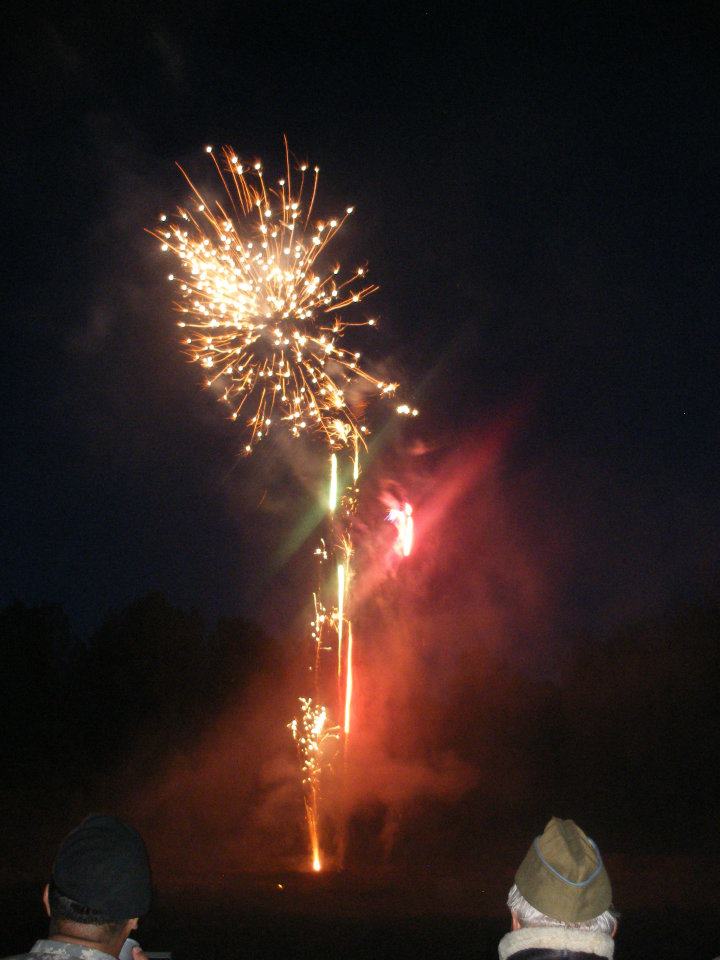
[261, 311]
[323, 746]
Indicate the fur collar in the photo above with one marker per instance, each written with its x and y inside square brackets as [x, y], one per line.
[556, 938]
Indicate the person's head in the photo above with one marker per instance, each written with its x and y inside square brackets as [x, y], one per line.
[100, 884]
[562, 882]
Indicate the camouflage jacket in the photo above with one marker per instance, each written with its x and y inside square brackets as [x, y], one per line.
[60, 950]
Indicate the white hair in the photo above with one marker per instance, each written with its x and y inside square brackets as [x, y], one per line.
[528, 916]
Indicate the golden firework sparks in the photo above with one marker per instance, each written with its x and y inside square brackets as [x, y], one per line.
[261, 305]
[310, 732]
[262, 311]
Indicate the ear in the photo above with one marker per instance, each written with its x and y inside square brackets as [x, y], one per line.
[46, 898]
[128, 927]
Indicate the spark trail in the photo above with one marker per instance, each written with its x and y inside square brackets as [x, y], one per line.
[261, 310]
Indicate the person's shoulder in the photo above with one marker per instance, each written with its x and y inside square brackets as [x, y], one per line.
[57, 950]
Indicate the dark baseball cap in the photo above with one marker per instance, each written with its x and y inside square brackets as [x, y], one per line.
[103, 864]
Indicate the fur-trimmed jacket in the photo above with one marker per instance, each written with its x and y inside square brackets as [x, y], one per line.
[555, 943]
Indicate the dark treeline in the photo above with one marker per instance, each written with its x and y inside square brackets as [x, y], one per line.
[641, 718]
[625, 737]
[151, 675]
[77, 712]
[620, 732]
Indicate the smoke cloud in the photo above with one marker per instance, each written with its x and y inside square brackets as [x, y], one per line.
[429, 630]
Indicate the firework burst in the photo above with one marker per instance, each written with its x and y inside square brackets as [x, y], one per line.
[261, 304]
[261, 308]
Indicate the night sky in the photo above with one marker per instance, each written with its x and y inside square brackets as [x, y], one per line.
[537, 196]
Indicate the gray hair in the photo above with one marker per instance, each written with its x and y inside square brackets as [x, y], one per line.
[528, 916]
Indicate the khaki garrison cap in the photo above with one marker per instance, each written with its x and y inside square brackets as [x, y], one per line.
[563, 875]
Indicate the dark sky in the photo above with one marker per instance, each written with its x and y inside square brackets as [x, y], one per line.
[537, 195]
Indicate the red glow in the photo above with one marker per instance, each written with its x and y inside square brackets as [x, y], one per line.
[348, 682]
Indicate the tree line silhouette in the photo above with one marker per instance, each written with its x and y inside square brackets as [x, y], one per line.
[624, 736]
[75, 711]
